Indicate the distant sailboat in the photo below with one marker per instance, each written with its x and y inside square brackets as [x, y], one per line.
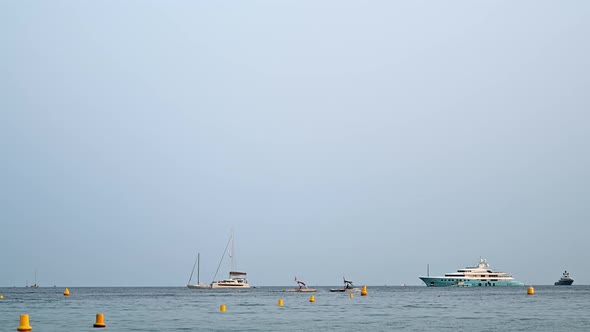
[35, 284]
[198, 285]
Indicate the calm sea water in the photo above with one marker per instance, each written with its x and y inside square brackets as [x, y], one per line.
[552, 308]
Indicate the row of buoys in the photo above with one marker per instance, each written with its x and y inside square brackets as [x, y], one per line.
[530, 291]
[281, 303]
[24, 324]
[66, 293]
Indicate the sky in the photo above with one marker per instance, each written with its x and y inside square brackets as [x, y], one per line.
[357, 139]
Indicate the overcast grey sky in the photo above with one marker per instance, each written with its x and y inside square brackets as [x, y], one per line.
[363, 139]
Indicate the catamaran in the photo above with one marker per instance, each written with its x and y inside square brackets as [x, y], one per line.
[236, 279]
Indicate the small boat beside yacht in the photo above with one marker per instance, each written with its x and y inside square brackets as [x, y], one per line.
[479, 275]
[302, 288]
[565, 280]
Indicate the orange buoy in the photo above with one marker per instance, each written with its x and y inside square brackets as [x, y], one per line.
[99, 321]
[530, 291]
[66, 292]
[24, 323]
[312, 298]
[222, 308]
[364, 291]
[280, 302]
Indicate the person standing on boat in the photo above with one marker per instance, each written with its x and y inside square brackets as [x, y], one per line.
[348, 284]
[300, 283]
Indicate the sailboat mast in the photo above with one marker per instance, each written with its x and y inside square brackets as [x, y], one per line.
[198, 268]
[222, 256]
[231, 251]
[193, 271]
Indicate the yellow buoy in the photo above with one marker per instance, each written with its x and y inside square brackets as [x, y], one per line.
[1, 296]
[280, 302]
[66, 292]
[312, 298]
[222, 308]
[530, 291]
[364, 291]
[351, 295]
[24, 323]
[100, 321]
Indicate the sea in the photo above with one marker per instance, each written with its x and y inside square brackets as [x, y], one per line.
[384, 308]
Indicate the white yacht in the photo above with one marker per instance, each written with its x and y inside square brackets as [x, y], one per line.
[480, 275]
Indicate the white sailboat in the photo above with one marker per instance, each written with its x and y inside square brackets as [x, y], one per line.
[236, 279]
[198, 285]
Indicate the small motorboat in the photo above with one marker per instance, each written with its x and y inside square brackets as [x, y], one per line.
[348, 287]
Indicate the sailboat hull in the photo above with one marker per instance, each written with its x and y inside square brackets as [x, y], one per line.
[201, 286]
[198, 285]
[300, 290]
[231, 283]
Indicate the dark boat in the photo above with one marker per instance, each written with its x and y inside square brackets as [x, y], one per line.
[565, 280]
[348, 287]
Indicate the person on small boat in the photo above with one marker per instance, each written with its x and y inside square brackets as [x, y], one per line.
[348, 284]
[300, 283]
